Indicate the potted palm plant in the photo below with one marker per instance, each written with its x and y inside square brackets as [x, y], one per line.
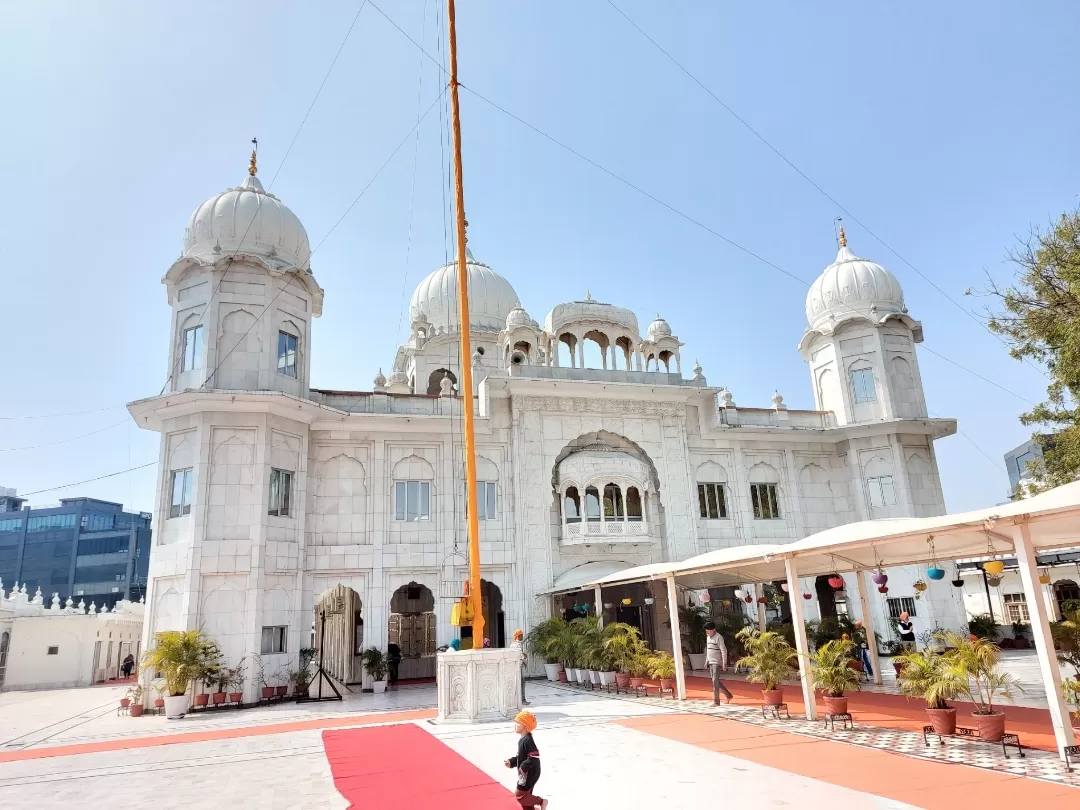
[692, 620]
[135, 700]
[974, 663]
[925, 675]
[622, 644]
[541, 642]
[180, 656]
[375, 665]
[830, 670]
[662, 667]
[639, 667]
[769, 661]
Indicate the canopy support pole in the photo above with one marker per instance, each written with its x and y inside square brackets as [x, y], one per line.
[868, 626]
[676, 638]
[1040, 631]
[759, 592]
[798, 621]
[598, 595]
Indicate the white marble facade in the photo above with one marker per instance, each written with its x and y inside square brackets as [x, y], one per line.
[375, 478]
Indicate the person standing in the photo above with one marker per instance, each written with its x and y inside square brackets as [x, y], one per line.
[716, 661]
[907, 631]
[393, 663]
[518, 644]
[527, 762]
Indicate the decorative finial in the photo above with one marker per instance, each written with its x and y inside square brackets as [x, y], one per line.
[253, 166]
[380, 382]
[697, 371]
[588, 295]
[727, 398]
[778, 401]
[446, 386]
[843, 237]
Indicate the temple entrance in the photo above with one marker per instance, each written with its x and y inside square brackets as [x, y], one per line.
[412, 628]
[338, 634]
[494, 617]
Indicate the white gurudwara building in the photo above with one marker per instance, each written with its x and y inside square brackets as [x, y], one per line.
[289, 516]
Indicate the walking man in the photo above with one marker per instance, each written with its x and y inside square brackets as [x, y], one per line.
[716, 660]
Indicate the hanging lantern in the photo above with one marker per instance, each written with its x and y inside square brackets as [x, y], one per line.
[880, 578]
[784, 587]
[958, 583]
[807, 595]
[836, 582]
[994, 567]
[739, 593]
[748, 599]
[1044, 577]
[704, 596]
[935, 573]
[919, 585]
[883, 589]
[726, 602]
[649, 600]
[627, 601]
[993, 581]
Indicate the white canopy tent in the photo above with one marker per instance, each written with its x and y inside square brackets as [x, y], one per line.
[1022, 529]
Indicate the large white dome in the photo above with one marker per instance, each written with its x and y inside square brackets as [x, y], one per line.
[851, 286]
[247, 219]
[491, 298]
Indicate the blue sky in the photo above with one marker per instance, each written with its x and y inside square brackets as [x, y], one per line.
[948, 129]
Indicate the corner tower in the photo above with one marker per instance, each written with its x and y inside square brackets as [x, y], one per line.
[860, 343]
[242, 295]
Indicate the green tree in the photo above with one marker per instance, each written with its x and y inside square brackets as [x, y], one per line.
[1040, 317]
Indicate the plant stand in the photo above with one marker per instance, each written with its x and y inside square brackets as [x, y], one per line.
[775, 711]
[123, 710]
[846, 722]
[1071, 752]
[1007, 739]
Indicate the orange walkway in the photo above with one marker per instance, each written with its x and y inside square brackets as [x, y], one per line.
[930, 785]
[214, 734]
[891, 711]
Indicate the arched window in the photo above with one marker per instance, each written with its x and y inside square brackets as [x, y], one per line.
[592, 504]
[572, 505]
[862, 384]
[633, 504]
[613, 503]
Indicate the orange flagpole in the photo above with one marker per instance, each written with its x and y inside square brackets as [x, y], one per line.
[466, 349]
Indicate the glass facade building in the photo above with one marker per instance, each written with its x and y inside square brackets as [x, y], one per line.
[84, 548]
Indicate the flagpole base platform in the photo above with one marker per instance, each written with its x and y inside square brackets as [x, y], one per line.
[478, 686]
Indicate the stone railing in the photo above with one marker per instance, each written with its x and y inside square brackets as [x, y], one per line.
[610, 531]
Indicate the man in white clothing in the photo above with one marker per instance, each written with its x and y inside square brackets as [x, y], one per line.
[716, 661]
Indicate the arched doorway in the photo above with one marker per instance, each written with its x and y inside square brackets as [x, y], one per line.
[338, 634]
[1065, 590]
[412, 627]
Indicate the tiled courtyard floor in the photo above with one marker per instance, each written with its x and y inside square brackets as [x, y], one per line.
[69, 747]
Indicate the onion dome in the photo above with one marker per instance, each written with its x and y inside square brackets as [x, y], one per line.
[491, 298]
[853, 286]
[659, 329]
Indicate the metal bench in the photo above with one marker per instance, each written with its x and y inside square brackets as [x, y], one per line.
[1006, 739]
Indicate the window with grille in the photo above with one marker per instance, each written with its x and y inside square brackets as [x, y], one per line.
[286, 354]
[901, 604]
[485, 501]
[280, 493]
[765, 501]
[192, 349]
[862, 384]
[273, 639]
[412, 500]
[1016, 608]
[711, 501]
[882, 491]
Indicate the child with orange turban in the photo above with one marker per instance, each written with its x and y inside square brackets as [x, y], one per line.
[527, 762]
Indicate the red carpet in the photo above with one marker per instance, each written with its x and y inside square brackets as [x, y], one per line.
[404, 766]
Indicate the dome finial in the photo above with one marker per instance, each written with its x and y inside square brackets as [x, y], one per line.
[253, 166]
[842, 239]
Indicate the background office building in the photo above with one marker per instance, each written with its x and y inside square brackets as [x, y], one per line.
[84, 548]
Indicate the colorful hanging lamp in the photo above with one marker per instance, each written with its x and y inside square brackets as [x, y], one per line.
[992, 567]
[992, 580]
[958, 582]
[934, 571]
[836, 582]
[883, 589]
[784, 587]
[1044, 577]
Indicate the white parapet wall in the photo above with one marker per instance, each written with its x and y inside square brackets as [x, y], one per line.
[60, 646]
[477, 686]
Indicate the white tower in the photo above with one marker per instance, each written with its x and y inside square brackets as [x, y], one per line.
[247, 255]
[860, 343]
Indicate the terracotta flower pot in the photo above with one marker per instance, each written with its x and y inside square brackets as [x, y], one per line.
[897, 668]
[282, 691]
[622, 680]
[990, 726]
[159, 703]
[136, 709]
[268, 691]
[202, 700]
[125, 702]
[773, 697]
[667, 683]
[835, 705]
[636, 682]
[563, 677]
[943, 720]
[236, 697]
[217, 698]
